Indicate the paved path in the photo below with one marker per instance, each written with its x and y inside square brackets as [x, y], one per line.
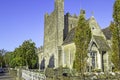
[6, 76]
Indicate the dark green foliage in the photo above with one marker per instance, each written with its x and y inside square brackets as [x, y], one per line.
[7, 58]
[2, 61]
[115, 29]
[115, 47]
[25, 55]
[116, 11]
[49, 72]
[82, 39]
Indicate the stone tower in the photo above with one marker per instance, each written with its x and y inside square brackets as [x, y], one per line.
[59, 9]
[53, 34]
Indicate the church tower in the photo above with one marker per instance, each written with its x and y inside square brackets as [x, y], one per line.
[59, 10]
[53, 34]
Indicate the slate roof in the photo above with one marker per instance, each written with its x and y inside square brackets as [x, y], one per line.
[107, 33]
[101, 42]
[70, 37]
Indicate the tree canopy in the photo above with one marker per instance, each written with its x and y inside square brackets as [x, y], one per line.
[24, 55]
[2, 53]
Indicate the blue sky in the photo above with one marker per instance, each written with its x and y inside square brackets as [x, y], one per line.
[24, 19]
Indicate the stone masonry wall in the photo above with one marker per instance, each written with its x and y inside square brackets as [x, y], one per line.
[49, 37]
[53, 34]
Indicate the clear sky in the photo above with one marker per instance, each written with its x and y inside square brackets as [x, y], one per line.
[24, 19]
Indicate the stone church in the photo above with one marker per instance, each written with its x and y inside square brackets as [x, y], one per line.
[59, 47]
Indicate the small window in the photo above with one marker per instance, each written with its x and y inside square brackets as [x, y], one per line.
[93, 28]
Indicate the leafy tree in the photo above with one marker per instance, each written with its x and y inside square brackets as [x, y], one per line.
[17, 61]
[30, 55]
[12, 63]
[0, 59]
[7, 58]
[115, 29]
[2, 51]
[24, 55]
[2, 62]
[82, 39]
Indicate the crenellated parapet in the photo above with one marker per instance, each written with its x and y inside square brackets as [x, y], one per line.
[72, 16]
[39, 50]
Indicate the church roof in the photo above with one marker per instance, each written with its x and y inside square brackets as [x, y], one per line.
[70, 37]
[101, 43]
[107, 33]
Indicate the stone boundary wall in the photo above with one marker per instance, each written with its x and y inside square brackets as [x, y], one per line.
[30, 75]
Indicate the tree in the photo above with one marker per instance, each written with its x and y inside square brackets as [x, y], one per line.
[30, 55]
[0, 59]
[115, 29]
[24, 55]
[2, 62]
[82, 39]
[7, 58]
